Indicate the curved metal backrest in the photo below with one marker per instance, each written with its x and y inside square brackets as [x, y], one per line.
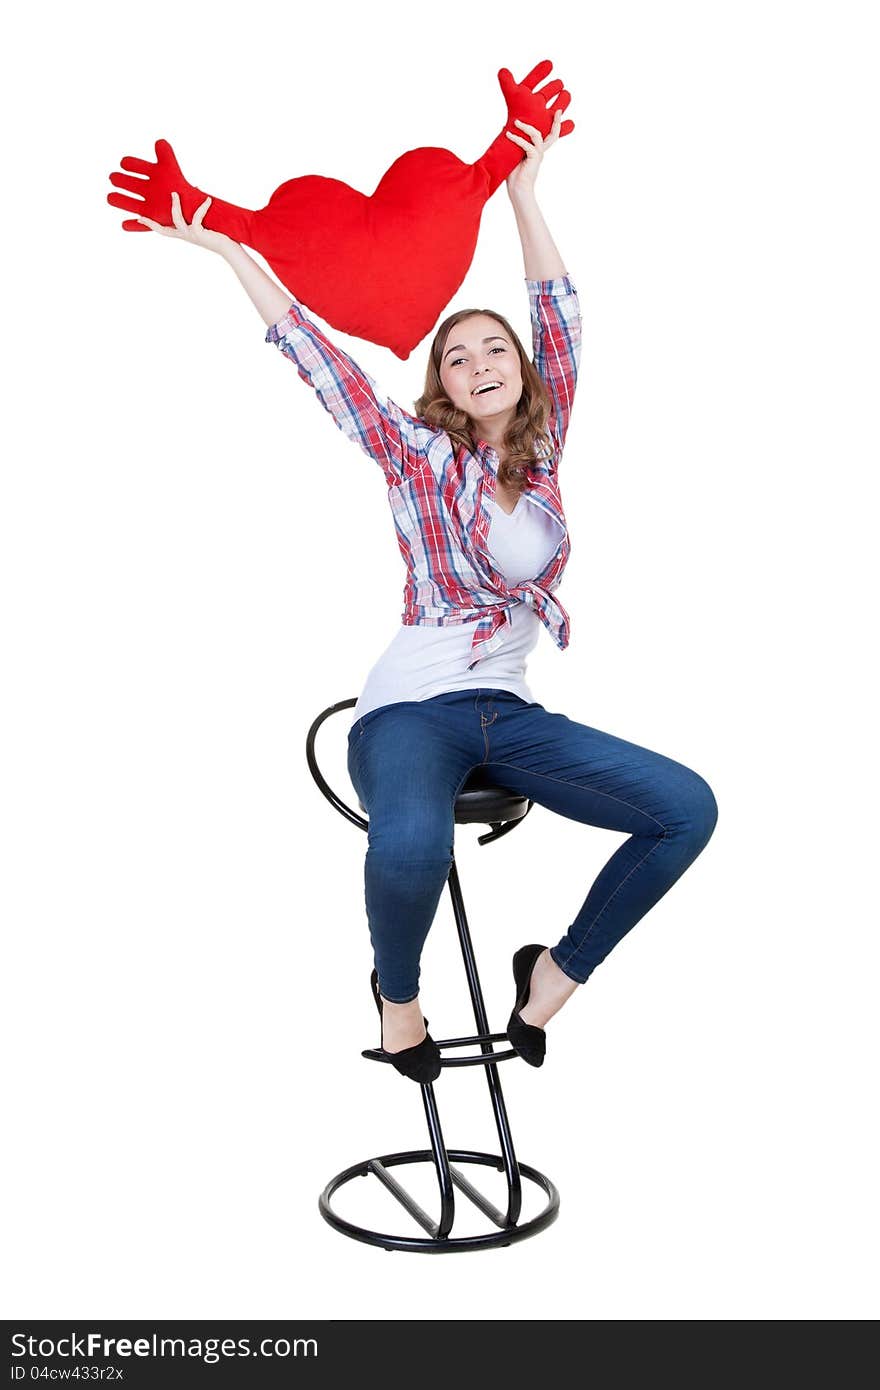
[498, 828]
[316, 771]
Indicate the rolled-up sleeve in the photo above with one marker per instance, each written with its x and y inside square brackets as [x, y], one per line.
[396, 440]
[556, 339]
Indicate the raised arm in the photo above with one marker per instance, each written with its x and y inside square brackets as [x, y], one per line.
[553, 299]
[387, 433]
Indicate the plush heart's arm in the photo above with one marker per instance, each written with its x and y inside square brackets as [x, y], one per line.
[164, 178]
[524, 103]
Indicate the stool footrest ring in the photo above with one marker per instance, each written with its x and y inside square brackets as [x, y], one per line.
[481, 1059]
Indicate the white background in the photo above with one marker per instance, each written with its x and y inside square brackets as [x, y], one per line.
[195, 563]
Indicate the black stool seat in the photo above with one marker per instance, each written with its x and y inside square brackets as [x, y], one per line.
[482, 802]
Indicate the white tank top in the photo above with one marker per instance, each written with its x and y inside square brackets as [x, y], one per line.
[423, 661]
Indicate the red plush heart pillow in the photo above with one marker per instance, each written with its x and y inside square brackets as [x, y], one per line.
[381, 267]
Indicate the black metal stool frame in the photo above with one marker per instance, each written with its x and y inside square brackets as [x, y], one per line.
[483, 802]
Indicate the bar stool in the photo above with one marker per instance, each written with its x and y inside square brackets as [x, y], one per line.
[480, 801]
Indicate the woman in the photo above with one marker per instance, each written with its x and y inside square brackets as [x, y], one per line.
[473, 484]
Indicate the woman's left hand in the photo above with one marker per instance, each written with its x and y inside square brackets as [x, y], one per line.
[521, 178]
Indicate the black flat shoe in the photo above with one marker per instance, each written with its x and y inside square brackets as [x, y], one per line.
[420, 1063]
[530, 1042]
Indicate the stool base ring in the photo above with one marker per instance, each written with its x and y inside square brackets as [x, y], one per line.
[433, 1245]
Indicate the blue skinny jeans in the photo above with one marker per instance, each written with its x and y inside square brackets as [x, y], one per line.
[407, 762]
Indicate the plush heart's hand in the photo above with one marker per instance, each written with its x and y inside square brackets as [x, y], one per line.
[154, 202]
[526, 104]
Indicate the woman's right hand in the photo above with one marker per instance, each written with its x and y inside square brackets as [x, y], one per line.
[194, 232]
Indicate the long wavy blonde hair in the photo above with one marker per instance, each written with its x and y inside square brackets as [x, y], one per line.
[526, 432]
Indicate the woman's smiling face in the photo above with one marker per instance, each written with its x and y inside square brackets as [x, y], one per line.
[478, 351]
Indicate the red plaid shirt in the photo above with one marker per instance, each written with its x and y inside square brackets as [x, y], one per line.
[438, 492]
